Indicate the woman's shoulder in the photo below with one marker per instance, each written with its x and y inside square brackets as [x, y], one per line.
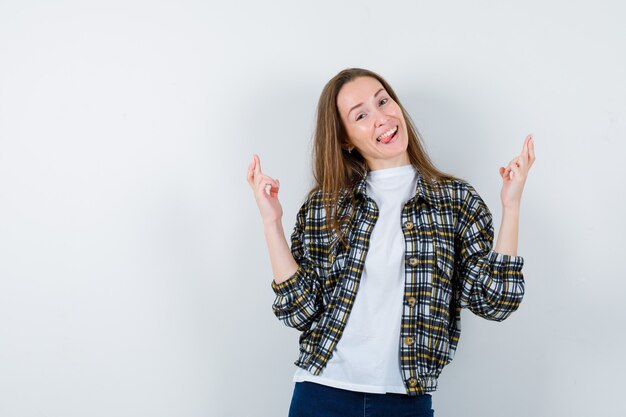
[463, 198]
[315, 204]
[317, 198]
[458, 189]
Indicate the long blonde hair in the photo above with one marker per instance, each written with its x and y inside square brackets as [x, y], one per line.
[334, 168]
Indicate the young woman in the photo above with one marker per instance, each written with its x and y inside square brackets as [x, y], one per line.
[385, 252]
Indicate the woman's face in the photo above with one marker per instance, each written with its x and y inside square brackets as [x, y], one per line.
[374, 123]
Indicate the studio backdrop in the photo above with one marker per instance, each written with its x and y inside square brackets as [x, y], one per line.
[134, 273]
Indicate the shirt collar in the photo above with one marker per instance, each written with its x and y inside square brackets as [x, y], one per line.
[423, 190]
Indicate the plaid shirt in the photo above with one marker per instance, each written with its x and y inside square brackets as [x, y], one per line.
[449, 265]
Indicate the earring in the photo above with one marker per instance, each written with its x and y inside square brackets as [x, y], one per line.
[350, 149]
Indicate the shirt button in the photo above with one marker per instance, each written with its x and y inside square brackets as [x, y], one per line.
[409, 340]
[408, 225]
[412, 382]
[413, 261]
[411, 301]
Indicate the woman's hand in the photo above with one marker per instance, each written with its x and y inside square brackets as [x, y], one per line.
[515, 174]
[268, 204]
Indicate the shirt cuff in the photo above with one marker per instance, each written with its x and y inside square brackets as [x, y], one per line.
[503, 261]
[288, 286]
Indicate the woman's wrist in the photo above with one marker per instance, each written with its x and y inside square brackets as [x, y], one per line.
[273, 225]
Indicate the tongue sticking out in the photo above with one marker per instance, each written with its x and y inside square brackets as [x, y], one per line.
[388, 138]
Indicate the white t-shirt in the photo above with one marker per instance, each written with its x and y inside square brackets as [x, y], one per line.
[366, 358]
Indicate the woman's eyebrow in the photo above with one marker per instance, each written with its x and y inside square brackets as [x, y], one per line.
[360, 104]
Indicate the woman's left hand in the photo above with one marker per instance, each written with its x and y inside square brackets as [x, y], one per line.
[515, 174]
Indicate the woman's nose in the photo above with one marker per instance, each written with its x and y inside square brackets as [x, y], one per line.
[381, 117]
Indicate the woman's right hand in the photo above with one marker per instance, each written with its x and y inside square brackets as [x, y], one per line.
[269, 205]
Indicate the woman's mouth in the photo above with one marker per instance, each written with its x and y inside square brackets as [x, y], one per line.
[388, 136]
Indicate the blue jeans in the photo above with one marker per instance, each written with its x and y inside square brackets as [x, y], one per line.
[311, 399]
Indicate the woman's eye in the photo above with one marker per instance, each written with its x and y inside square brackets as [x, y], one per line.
[359, 116]
[383, 101]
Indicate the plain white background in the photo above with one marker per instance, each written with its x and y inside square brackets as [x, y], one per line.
[134, 276]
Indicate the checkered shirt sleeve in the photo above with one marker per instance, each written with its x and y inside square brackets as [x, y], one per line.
[298, 301]
[490, 284]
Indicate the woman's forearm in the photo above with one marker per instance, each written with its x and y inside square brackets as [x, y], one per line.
[283, 263]
[507, 235]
